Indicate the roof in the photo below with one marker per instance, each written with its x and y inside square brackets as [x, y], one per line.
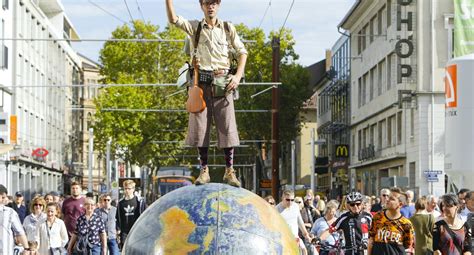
[349, 14]
[317, 72]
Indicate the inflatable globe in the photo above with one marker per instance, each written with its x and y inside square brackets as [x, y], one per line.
[210, 219]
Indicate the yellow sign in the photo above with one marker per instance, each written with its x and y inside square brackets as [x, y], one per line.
[342, 151]
[13, 129]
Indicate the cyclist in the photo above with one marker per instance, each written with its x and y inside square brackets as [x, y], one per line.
[355, 225]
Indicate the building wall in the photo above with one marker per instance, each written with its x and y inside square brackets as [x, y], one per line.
[41, 108]
[392, 139]
[303, 149]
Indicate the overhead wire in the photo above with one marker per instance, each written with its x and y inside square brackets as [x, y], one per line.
[140, 10]
[287, 15]
[265, 14]
[129, 12]
[104, 10]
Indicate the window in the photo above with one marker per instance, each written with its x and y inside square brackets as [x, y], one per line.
[399, 128]
[359, 145]
[389, 13]
[353, 145]
[359, 42]
[372, 82]
[381, 72]
[372, 134]
[360, 92]
[389, 72]
[372, 30]
[389, 132]
[365, 80]
[380, 18]
[412, 123]
[379, 136]
[364, 37]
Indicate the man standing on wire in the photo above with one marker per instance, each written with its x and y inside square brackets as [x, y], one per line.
[213, 39]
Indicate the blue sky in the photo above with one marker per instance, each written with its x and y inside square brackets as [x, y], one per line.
[313, 22]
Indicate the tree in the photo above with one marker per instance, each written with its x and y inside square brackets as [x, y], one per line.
[135, 134]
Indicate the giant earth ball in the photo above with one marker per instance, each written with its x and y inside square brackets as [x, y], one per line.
[210, 219]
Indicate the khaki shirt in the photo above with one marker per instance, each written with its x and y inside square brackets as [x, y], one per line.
[213, 49]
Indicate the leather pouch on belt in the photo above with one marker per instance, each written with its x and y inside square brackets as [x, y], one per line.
[220, 83]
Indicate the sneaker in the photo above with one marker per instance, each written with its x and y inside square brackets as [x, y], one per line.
[203, 176]
[230, 178]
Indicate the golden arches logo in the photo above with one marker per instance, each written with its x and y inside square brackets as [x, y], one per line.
[342, 151]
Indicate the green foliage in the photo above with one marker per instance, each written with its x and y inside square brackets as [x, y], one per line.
[134, 134]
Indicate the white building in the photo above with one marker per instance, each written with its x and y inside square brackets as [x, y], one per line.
[399, 51]
[41, 105]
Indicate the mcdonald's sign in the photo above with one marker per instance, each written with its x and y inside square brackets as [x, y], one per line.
[342, 151]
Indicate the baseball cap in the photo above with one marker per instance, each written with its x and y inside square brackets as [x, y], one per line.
[18, 194]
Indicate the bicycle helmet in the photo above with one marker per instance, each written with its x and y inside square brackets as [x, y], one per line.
[354, 197]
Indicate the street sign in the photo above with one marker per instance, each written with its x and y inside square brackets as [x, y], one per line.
[432, 179]
[433, 172]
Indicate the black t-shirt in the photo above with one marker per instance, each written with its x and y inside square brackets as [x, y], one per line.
[128, 213]
[376, 208]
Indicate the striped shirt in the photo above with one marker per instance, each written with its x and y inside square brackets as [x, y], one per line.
[10, 227]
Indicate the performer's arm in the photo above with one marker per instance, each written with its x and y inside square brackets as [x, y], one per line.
[172, 18]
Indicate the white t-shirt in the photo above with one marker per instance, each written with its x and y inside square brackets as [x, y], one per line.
[292, 216]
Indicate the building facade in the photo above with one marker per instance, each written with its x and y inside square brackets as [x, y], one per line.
[334, 121]
[40, 101]
[398, 53]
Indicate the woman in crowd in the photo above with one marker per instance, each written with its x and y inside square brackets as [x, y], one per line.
[270, 200]
[90, 232]
[48, 198]
[451, 234]
[342, 207]
[423, 223]
[33, 220]
[52, 234]
[322, 224]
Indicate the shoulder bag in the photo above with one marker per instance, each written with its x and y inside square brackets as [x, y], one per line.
[196, 102]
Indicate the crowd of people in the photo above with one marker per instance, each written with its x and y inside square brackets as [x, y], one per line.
[391, 224]
[54, 225]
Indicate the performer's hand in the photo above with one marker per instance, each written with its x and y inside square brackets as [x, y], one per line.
[233, 83]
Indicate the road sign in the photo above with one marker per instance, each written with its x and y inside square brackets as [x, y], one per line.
[433, 172]
[432, 179]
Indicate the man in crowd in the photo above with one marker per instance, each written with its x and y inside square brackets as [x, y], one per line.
[19, 206]
[128, 210]
[462, 195]
[391, 233]
[469, 199]
[319, 204]
[432, 206]
[384, 193]
[73, 207]
[108, 213]
[354, 224]
[290, 211]
[10, 227]
[212, 42]
[408, 209]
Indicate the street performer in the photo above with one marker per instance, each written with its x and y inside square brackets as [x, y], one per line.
[212, 41]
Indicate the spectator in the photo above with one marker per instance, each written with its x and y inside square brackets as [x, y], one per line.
[343, 208]
[384, 193]
[73, 208]
[128, 210]
[367, 205]
[321, 228]
[291, 213]
[90, 231]
[19, 206]
[461, 196]
[270, 200]
[37, 216]
[10, 226]
[408, 209]
[451, 234]
[48, 198]
[432, 207]
[423, 224]
[108, 213]
[319, 204]
[391, 233]
[469, 208]
[52, 233]
[309, 213]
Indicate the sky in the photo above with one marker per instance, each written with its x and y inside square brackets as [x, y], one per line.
[313, 22]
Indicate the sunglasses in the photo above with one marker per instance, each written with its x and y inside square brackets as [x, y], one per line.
[106, 199]
[272, 203]
[290, 200]
[37, 205]
[298, 202]
[354, 204]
